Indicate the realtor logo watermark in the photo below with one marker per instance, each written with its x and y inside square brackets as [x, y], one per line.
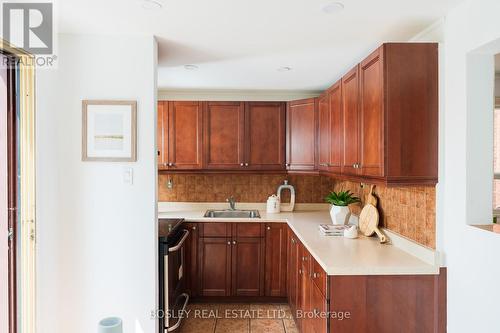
[30, 26]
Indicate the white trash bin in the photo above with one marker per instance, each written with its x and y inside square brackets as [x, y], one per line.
[110, 325]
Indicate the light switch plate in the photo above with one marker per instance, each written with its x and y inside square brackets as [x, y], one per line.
[128, 175]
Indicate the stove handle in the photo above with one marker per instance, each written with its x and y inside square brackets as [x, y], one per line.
[179, 245]
[183, 311]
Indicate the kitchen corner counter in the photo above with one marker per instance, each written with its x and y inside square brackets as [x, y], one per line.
[336, 255]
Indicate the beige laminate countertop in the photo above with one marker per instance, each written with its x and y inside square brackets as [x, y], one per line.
[336, 255]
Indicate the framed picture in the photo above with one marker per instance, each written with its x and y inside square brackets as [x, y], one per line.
[109, 131]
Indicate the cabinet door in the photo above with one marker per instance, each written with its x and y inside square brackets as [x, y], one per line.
[265, 136]
[372, 114]
[247, 266]
[336, 127]
[214, 266]
[224, 135]
[324, 128]
[162, 134]
[185, 135]
[350, 97]
[293, 271]
[304, 288]
[191, 259]
[276, 259]
[318, 307]
[301, 135]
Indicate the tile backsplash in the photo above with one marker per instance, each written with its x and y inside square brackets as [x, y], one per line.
[245, 188]
[406, 210]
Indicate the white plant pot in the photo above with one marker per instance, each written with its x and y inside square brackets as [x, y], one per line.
[340, 214]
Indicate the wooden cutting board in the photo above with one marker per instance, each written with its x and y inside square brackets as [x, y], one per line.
[369, 218]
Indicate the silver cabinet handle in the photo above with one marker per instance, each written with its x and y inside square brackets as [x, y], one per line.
[323, 164]
[241, 164]
[293, 240]
[315, 275]
[170, 164]
[300, 272]
[268, 228]
[234, 242]
[194, 228]
[228, 242]
[287, 164]
[179, 245]
[246, 164]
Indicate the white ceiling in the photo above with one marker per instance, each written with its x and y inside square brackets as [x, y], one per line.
[240, 44]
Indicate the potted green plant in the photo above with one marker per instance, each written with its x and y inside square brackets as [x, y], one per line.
[339, 212]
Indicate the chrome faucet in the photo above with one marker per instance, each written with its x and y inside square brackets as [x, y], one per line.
[232, 202]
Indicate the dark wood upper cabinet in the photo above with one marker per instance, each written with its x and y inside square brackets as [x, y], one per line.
[265, 136]
[247, 266]
[185, 143]
[302, 135]
[390, 115]
[224, 135]
[162, 134]
[336, 127]
[276, 259]
[350, 117]
[325, 132]
[372, 115]
[411, 112]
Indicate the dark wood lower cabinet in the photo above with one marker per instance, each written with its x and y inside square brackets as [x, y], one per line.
[276, 259]
[247, 266]
[389, 304]
[233, 260]
[214, 266]
[191, 256]
[293, 270]
[267, 261]
[319, 310]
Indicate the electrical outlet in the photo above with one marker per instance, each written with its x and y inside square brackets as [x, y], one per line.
[170, 184]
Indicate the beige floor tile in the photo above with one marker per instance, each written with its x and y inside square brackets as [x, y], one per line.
[290, 326]
[287, 311]
[204, 306]
[194, 325]
[232, 326]
[266, 326]
[266, 311]
[234, 310]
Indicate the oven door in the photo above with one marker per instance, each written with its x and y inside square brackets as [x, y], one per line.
[175, 296]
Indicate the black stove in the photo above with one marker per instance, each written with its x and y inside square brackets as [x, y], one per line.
[168, 228]
[173, 297]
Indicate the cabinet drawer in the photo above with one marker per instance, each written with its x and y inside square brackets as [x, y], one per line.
[248, 229]
[215, 229]
[318, 276]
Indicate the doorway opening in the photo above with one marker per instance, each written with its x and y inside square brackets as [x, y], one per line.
[8, 193]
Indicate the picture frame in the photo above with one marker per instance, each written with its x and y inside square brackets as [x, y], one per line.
[109, 130]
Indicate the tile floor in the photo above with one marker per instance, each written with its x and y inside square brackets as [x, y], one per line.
[238, 318]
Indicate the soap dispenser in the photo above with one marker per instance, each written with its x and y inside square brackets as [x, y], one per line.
[284, 207]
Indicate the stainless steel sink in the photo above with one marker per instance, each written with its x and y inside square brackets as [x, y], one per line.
[253, 214]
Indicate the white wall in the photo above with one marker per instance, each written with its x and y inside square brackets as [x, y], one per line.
[96, 235]
[471, 254]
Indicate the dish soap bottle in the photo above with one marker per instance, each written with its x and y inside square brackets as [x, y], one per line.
[284, 207]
